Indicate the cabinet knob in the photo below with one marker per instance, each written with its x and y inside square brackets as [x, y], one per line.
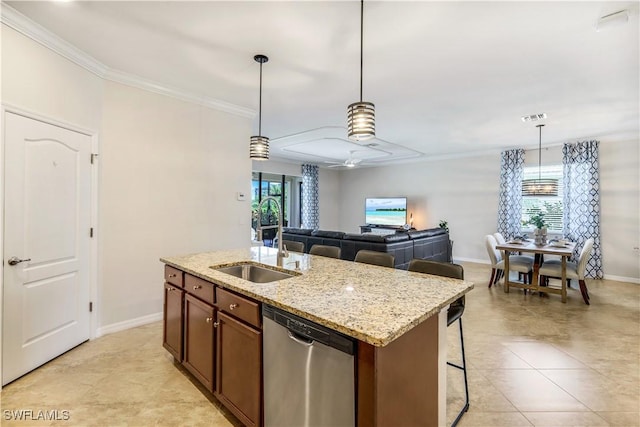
[196, 287]
[209, 319]
[215, 324]
[170, 289]
[172, 275]
[233, 306]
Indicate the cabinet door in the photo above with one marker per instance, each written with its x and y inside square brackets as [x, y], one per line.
[239, 369]
[199, 341]
[172, 327]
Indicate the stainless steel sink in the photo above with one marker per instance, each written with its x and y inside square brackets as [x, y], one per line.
[255, 273]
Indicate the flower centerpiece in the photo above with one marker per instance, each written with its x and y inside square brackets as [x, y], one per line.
[540, 232]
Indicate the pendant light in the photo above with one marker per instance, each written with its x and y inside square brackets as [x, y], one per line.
[361, 120]
[540, 187]
[259, 146]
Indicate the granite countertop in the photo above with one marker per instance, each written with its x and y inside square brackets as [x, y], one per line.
[370, 303]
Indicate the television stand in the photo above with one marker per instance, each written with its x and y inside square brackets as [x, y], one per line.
[382, 229]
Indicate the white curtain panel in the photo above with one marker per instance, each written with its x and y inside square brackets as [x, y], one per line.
[581, 213]
[510, 197]
[310, 197]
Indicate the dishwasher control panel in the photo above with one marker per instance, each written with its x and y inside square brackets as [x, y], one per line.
[310, 330]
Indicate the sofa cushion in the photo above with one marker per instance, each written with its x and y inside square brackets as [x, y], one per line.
[303, 231]
[380, 238]
[329, 234]
[427, 233]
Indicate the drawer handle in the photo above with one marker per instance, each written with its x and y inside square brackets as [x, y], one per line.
[170, 289]
[172, 276]
[196, 287]
[233, 306]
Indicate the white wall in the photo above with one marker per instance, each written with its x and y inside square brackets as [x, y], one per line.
[168, 171]
[328, 183]
[40, 80]
[464, 192]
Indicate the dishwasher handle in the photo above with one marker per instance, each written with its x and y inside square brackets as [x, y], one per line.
[300, 340]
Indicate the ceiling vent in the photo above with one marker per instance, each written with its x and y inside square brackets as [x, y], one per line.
[534, 117]
[614, 19]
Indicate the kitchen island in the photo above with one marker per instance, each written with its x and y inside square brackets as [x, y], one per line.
[398, 318]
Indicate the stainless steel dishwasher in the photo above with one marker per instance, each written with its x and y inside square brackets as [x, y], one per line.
[308, 373]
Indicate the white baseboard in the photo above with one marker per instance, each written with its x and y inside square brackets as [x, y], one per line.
[128, 324]
[634, 280]
[479, 261]
[623, 279]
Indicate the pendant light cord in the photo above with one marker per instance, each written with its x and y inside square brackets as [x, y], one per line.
[260, 105]
[361, 42]
[540, 153]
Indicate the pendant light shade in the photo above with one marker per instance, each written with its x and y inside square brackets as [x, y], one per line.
[540, 187]
[259, 145]
[361, 116]
[361, 121]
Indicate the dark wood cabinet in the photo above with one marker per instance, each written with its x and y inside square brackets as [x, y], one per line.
[239, 368]
[172, 328]
[217, 335]
[199, 340]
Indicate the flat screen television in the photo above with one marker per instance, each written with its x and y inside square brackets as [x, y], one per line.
[386, 211]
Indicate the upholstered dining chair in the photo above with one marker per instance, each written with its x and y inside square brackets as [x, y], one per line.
[375, 258]
[520, 263]
[456, 309]
[325, 250]
[553, 268]
[293, 246]
[499, 238]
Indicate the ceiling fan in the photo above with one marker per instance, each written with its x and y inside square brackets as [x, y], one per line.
[349, 163]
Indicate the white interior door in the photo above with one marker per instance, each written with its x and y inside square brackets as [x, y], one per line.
[46, 243]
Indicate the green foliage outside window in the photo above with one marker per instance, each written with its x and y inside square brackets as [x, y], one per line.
[549, 213]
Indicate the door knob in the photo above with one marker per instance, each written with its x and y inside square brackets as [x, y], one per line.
[14, 260]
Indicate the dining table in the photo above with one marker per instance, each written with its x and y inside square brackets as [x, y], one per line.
[559, 248]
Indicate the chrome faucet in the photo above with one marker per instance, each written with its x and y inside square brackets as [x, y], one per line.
[282, 250]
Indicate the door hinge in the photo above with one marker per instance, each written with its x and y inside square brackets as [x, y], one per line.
[94, 156]
[90, 307]
[91, 232]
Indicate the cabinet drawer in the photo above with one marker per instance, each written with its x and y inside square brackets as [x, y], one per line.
[173, 276]
[199, 288]
[240, 307]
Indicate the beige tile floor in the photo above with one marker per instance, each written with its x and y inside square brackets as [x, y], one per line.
[532, 361]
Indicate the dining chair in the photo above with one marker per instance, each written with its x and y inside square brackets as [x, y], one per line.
[375, 258]
[501, 241]
[456, 309]
[499, 238]
[293, 246]
[520, 263]
[553, 268]
[325, 250]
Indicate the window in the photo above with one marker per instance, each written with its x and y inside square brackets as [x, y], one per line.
[265, 184]
[550, 206]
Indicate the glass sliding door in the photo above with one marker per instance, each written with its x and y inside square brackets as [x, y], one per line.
[285, 189]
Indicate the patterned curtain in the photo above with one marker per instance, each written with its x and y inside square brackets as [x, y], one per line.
[510, 198]
[310, 204]
[581, 213]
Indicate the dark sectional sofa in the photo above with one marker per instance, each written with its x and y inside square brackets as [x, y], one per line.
[432, 244]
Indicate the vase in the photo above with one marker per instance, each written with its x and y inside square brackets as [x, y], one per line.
[540, 236]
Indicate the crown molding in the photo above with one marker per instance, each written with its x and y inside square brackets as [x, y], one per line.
[19, 22]
[14, 19]
[151, 86]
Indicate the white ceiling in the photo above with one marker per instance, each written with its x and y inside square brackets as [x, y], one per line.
[448, 78]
